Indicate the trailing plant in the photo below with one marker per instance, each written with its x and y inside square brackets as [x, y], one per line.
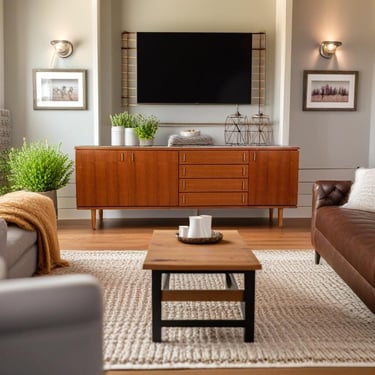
[124, 119]
[146, 126]
[39, 167]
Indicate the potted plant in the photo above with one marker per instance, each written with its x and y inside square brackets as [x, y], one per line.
[146, 129]
[39, 167]
[118, 121]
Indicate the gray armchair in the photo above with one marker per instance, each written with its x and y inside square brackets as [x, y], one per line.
[51, 325]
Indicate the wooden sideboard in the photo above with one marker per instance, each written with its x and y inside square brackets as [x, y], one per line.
[111, 177]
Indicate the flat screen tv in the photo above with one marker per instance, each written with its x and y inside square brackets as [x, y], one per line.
[199, 68]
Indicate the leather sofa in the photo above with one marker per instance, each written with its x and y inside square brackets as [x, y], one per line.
[18, 248]
[344, 237]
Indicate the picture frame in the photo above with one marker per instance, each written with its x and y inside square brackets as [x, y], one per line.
[63, 89]
[330, 90]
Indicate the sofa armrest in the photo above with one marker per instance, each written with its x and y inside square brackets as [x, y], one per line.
[328, 193]
[53, 323]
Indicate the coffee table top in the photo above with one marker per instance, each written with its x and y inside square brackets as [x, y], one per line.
[166, 253]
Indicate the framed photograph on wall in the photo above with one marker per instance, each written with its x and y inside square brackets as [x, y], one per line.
[330, 90]
[59, 88]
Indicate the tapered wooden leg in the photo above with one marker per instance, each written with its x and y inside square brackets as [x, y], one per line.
[280, 217]
[93, 219]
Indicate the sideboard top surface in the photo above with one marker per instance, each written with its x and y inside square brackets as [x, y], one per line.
[190, 147]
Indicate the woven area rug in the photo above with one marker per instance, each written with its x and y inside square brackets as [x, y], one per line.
[305, 316]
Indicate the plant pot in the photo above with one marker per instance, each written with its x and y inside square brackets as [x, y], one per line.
[117, 136]
[131, 138]
[53, 195]
[146, 142]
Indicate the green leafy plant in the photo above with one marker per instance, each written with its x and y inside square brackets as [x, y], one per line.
[124, 119]
[4, 172]
[39, 167]
[146, 126]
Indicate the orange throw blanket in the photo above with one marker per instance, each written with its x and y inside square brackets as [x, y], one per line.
[33, 211]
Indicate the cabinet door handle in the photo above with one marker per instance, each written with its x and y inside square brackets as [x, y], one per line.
[122, 156]
[184, 171]
[132, 157]
[244, 156]
[243, 171]
[243, 185]
[183, 156]
[254, 156]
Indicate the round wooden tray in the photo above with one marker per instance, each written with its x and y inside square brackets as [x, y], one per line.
[216, 237]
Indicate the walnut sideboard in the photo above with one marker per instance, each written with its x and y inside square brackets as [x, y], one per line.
[121, 177]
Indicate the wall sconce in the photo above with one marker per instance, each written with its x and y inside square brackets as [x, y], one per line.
[63, 48]
[328, 48]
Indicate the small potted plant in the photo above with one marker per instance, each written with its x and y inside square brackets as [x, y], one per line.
[39, 167]
[146, 129]
[118, 121]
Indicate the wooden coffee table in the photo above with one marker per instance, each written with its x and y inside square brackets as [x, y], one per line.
[167, 255]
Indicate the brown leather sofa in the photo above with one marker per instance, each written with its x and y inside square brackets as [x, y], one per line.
[345, 238]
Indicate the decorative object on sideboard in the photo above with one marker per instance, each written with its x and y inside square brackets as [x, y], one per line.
[236, 129]
[146, 129]
[260, 130]
[328, 48]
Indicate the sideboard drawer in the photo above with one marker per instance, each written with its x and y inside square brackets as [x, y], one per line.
[213, 171]
[213, 185]
[214, 157]
[212, 199]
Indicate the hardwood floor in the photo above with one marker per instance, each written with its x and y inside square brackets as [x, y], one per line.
[121, 234]
[134, 234]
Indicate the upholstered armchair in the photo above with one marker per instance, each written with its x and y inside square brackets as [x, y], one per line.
[50, 325]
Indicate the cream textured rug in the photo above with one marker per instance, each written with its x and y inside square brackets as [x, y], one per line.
[305, 316]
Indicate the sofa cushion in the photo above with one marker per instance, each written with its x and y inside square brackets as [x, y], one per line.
[18, 242]
[352, 233]
[362, 193]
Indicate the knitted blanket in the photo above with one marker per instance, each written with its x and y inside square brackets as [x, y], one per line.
[33, 211]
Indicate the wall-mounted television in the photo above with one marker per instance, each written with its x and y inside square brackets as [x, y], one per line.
[199, 68]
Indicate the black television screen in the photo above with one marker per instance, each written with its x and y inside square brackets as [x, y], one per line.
[182, 67]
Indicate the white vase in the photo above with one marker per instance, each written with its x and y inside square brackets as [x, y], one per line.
[131, 138]
[146, 142]
[117, 136]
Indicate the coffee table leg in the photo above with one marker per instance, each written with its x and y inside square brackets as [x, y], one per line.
[156, 306]
[249, 305]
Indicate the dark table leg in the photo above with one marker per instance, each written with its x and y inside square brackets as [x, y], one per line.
[156, 306]
[249, 305]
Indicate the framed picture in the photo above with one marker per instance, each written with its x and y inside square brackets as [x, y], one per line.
[59, 88]
[330, 90]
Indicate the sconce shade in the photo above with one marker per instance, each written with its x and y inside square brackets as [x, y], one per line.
[63, 48]
[328, 48]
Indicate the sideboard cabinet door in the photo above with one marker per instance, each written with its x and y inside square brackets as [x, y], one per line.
[273, 178]
[102, 178]
[154, 178]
